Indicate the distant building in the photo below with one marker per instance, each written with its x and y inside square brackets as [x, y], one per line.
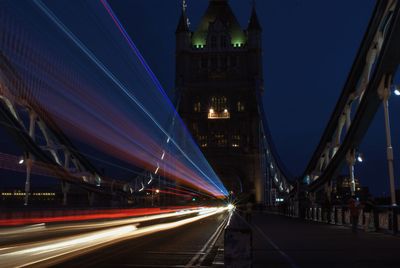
[16, 197]
[342, 189]
[218, 79]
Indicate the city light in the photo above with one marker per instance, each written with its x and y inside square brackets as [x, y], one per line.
[396, 91]
[360, 158]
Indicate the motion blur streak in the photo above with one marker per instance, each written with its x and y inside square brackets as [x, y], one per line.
[87, 78]
[80, 226]
[61, 249]
[95, 215]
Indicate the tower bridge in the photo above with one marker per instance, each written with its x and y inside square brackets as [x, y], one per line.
[77, 96]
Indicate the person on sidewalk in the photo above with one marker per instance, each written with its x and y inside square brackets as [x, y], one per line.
[369, 215]
[353, 207]
[249, 208]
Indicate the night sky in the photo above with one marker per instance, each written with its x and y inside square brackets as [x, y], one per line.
[309, 47]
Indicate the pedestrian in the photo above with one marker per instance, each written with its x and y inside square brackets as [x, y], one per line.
[353, 207]
[249, 207]
[369, 225]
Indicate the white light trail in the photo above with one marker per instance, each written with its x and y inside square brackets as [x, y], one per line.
[60, 249]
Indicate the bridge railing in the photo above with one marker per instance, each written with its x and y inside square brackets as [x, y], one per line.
[382, 218]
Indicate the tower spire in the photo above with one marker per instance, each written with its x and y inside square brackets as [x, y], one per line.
[184, 6]
[183, 24]
[254, 24]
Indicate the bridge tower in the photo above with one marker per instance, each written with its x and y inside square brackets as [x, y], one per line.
[218, 78]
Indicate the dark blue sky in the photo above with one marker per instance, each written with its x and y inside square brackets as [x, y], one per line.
[309, 47]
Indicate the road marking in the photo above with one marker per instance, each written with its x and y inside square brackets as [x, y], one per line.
[275, 246]
[203, 252]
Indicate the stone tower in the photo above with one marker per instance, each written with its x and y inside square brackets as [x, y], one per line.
[218, 78]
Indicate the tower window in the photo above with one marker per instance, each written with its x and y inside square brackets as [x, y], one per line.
[220, 140]
[213, 41]
[223, 41]
[214, 63]
[202, 141]
[236, 141]
[240, 106]
[224, 60]
[233, 61]
[218, 108]
[204, 62]
[197, 107]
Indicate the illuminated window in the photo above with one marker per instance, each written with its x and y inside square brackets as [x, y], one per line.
[220, 140]
[197, 107]
[236, 141]
[240, 106]
[218, 108]
[195, 128]
[202, 141]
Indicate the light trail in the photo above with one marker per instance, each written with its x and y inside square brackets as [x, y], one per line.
[122, 87]
[71, 89]
[141, 213]
[53, 251]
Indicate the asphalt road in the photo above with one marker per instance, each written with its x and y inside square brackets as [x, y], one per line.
[184, 246]
[179, 238]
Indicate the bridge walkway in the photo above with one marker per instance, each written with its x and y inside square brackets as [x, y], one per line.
[280, 241]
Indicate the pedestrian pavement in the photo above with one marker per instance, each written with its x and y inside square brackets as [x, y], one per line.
[280, 241]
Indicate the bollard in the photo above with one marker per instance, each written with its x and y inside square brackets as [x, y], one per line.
[238, 245]
[392, 220]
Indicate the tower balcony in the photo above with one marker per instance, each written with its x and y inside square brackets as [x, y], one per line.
[212, 114]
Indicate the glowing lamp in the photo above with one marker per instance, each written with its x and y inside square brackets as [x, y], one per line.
[360, 158]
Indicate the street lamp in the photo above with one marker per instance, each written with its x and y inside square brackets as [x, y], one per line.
[384, 94]
[360, 157]
[396, 90]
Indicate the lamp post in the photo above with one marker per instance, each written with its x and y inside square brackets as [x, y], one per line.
[384, 94]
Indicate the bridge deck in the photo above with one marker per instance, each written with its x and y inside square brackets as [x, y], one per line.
[280, 241]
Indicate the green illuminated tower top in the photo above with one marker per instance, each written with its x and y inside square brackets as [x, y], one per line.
[218, 12]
